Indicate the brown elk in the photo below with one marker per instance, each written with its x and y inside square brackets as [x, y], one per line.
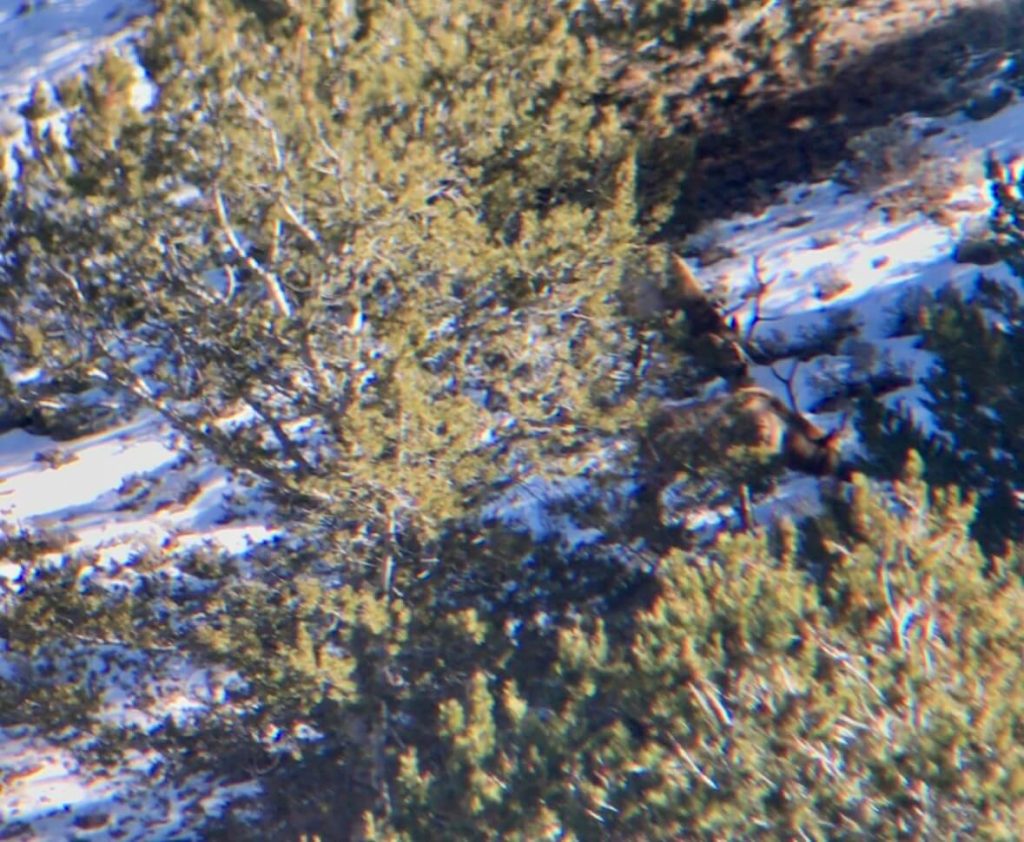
[752, 417]
[713, 340]
[697, 441]
[756, 417]
[804, 446]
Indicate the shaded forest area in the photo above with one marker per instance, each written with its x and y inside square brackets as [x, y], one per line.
[765, 115]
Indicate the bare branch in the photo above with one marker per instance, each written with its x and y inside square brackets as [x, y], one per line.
[280, 161]
[711, 703]
[232, 285]
[274, 251]
[288, 447]
[746, 509]
[311, 236]
[71, 281]
[684, 755]
[210, 439]
[270, 281]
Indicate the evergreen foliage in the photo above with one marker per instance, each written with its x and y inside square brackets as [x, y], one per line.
[348, 228]
[383, 257]
[684, 23]
[1008, 214]
[976, 407]
[738, 697]
[974, 393]
[742, 700]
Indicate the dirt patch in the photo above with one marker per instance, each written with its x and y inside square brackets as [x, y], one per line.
[759, 123]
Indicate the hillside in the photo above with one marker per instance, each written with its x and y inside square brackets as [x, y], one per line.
[326, 485]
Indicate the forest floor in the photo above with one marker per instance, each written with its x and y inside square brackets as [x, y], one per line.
[759, 127]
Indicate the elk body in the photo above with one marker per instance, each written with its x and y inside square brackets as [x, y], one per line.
[803, 445]
[724, 444]
[748, 417]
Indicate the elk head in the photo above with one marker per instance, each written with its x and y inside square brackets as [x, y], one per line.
[714, 339]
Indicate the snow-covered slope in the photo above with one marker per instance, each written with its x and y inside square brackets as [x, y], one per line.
[43, 40]
[824, 255]
[123, 490]
[830, 258]
[114, 491]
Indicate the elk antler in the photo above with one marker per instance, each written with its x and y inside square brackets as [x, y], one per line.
[787, 382]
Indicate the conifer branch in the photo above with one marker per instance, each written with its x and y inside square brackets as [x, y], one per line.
[288, 447]
[684, 755]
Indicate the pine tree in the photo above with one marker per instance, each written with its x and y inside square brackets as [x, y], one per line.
[348, 229]
[973, 398]
[741, 696]
[975, 406]
[375, 255]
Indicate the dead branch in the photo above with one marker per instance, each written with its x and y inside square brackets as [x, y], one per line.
[307, 232]
[684, 755]
[273, 285]
[288, 446]
[746, 509]
[70, 280]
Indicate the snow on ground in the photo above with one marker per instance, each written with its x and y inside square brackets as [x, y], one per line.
[44, 40]
[825, 255]
[47, 40]
[128, 487]
[48, 794]
[50, 791]
[828, 258]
